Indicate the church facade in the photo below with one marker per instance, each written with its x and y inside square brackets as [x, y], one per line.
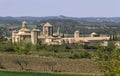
[25, 34]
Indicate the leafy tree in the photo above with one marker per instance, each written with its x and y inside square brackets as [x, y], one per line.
[2, 38]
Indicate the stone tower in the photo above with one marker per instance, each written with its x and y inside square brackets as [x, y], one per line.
[14, 36]
[76, 34]
[34, 36]
[58, 31]
[47, 30]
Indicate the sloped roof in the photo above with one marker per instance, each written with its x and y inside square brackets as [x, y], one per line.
[48, 24]
[24, 29]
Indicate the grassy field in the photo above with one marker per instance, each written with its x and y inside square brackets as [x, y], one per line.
[9, 73]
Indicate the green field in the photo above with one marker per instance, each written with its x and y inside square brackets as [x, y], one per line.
[10, 73]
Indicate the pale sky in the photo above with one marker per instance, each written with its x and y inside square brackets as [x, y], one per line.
[72, 8]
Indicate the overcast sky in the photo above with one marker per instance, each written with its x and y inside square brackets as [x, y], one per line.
[73, 8]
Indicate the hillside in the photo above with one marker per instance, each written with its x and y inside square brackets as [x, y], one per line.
[9, 19]
[87, 25]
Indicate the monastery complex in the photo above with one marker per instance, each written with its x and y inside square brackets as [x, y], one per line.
[47, 36]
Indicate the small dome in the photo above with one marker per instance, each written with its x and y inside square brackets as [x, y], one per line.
[93, 33]
[35, 30]
[76, 31]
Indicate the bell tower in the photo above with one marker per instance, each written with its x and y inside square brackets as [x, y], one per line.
[47, 30]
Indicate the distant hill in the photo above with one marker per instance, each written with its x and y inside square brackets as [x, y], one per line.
[86, 25]
[92, 20]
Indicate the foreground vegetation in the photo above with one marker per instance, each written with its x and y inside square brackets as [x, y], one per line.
[10, 73]
[106, 57]
[47, 64]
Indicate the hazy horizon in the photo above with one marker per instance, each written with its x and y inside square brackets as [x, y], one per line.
[63, 15]
[69, 8]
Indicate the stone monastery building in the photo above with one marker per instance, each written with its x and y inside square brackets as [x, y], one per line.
[47, 36]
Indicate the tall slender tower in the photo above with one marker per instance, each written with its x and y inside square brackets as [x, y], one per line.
[76, 34]
[58, 31]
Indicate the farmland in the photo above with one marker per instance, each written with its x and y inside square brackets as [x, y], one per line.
[47, 64]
